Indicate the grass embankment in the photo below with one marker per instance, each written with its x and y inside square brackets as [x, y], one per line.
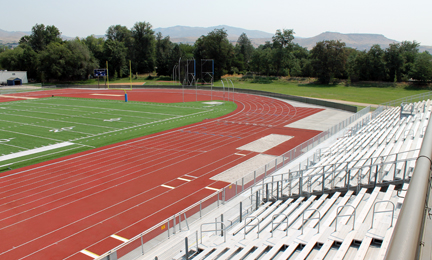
[369, 93]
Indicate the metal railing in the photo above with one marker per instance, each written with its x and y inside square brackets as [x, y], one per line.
[406, 239]
[409, 99]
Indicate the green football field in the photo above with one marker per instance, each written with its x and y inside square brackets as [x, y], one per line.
[37, 130]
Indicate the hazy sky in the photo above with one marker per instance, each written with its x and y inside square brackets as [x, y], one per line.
[396, 19]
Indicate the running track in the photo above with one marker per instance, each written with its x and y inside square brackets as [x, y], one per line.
[53, 210]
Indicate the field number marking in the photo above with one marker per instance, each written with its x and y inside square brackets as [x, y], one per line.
[6, 140]
[112, 119]
[62, 129]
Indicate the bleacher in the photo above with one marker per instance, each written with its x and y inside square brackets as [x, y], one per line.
[341, 202]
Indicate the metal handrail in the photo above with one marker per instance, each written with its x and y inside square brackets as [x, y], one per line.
[280, 222]
[346, 215]
[383, 211]
[214, 230]
[405, 241]
[248, 224]
[311, 218]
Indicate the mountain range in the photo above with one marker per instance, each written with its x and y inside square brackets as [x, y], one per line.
[186, 34]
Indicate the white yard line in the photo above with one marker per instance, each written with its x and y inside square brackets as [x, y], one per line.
[47, 127]
[19, 147]
[33, 151]
[56, 120]
[121, 110]
[31, 135]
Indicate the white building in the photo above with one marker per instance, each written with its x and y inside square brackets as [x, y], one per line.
[5, 75]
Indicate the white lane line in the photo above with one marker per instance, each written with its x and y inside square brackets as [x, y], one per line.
[183, 179]
[166, 186]
[110, 95]
[240, 154]
[88, 253]
[119, 238]
[211, 188]
[190, 176]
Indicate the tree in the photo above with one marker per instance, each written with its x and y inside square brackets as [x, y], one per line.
[82, 62]
[281, 52]
[394, 62]
[96, 47]
[164, 50]
[422, 67]
[54, 61]
[143, 47]
[244, 50]
[41, 37]
[11, 59]
[283, 38]
[115, 53]
[376, 64]
[409, 51]
[118, 33]
[328, 60]
[217, 47]
[3, 48]
[262, 59]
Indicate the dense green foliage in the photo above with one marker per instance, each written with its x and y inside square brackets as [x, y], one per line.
[45, 56]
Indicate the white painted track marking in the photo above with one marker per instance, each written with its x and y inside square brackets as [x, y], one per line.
[119, 238]
[88, 253]
[166, 186]
[211, 188]
[183, 179]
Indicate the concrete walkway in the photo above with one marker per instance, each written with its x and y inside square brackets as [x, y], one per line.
[349, 102]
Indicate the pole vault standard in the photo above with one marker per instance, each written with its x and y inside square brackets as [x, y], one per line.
[227, 88]
[179, 66]
[232, 90]
[223, 90]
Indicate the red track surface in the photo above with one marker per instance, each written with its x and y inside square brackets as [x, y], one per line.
[55, 209]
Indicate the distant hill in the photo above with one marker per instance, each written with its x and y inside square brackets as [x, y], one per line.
[189, 35]
[14, 37]
[11, 37]
[196, 32]
[360, 41]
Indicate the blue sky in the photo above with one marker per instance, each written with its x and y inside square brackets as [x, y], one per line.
[397, 19]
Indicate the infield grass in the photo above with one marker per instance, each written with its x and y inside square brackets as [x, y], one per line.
[86, 124]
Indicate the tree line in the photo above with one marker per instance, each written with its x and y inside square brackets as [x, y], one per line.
[45, 56]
